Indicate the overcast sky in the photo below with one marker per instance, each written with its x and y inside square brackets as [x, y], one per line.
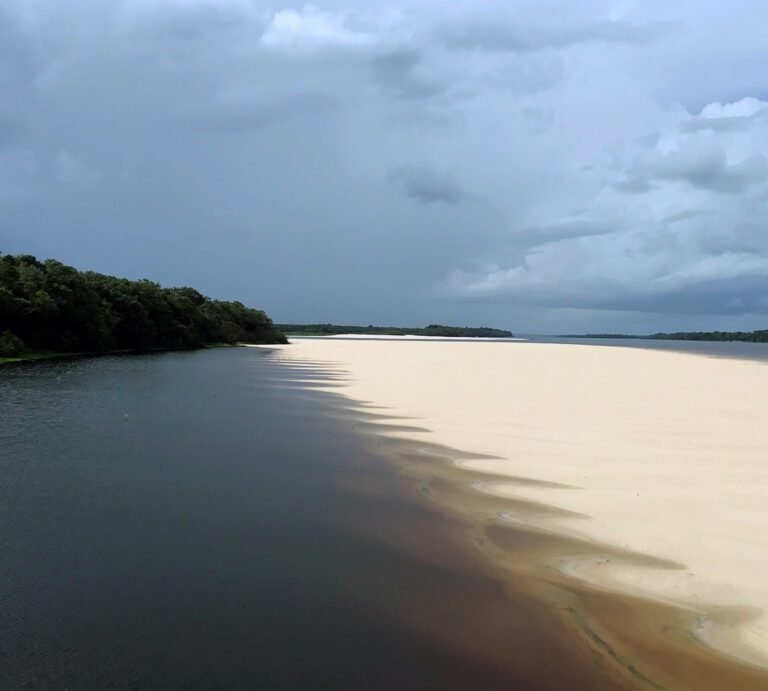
[543, 166]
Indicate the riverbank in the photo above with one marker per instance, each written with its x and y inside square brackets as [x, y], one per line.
[33, 357]
[44, 356]
[633, 482]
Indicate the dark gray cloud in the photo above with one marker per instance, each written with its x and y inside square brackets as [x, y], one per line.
[492, 34]
[563, 229]
[19, 66]
[682, 215]
[190, 22]
[724, 124]
[397, 72]
[714, 173]
[427, 186]
[400, 161]
[730, 296]
[244, 113]
[706, 168]
[710, 295]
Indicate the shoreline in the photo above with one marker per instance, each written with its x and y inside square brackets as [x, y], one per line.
[47, 357]
[38, 357]
[407, 337]
[535, 510]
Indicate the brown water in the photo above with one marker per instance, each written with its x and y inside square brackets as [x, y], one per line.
[627, 642]
[198, 520]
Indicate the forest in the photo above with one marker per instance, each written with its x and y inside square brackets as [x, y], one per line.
[46, 306]
[437, 330]
[760, 336]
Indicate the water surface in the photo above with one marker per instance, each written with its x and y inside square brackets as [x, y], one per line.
[728, 349]
[198, 520]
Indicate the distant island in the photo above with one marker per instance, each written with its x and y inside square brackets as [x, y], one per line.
[437, 330]
[760, 336]
[49, 308]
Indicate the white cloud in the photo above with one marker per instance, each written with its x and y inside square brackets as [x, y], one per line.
[746, 107]
[312, 28]
[695, 219]
[728, 117]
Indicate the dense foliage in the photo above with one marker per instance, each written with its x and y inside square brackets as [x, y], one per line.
[431, 330]
[47, 306]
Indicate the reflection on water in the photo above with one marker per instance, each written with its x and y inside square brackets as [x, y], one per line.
[194, 520]
[207, 520]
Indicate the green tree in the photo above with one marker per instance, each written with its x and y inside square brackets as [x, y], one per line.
[51, 306]
[10, 344]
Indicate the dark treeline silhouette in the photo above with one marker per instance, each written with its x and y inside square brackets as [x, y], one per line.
[746, 336]
[47, 306]
[431, 330]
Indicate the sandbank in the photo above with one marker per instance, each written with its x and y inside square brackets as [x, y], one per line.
[656, 454]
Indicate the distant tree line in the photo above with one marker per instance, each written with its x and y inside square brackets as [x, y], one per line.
[47, 306]
[432, 330]
[746, 336]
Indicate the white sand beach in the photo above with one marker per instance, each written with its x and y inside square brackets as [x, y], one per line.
[664, 454]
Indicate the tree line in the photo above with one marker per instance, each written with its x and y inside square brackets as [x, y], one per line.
[437, 330]
[48, 306]
[760, 336]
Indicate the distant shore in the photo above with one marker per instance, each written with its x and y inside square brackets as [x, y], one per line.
[634, 480]
[434, 330]
[759, 336]
[405, 337]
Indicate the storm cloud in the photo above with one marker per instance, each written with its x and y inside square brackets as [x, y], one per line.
[558, 167]
[488, 33]
[428, 186]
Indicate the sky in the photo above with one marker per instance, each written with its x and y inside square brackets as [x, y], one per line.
[546, 166]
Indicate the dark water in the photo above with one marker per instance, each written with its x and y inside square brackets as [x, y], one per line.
[180, 521]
